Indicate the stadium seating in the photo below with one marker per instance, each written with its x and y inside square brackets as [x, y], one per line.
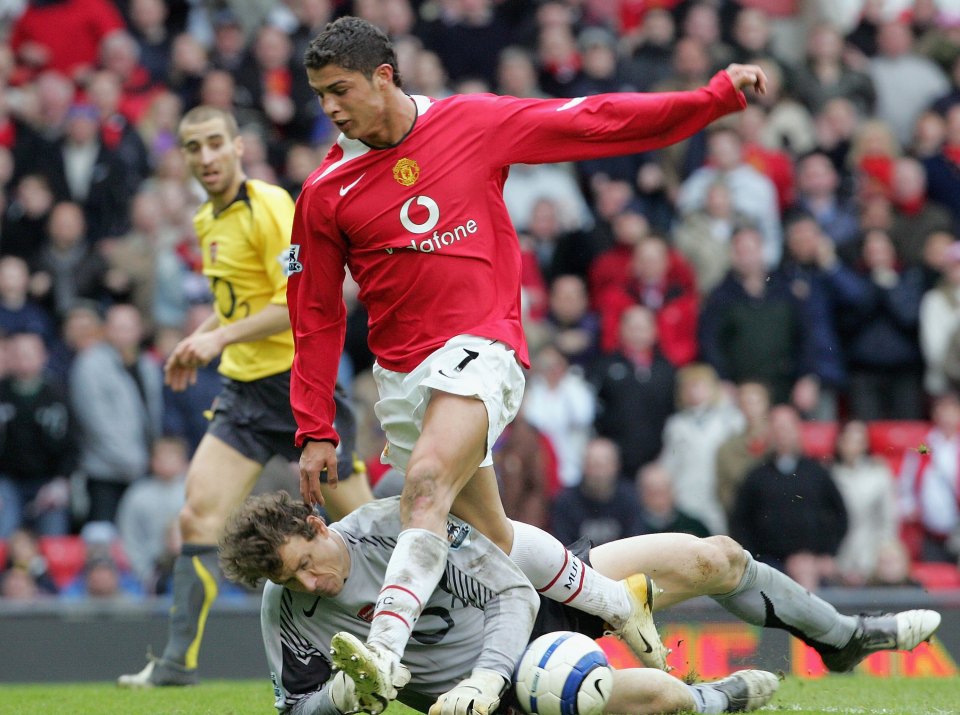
[935, 576]
[818, 439]
[890, 439]
[65, 557]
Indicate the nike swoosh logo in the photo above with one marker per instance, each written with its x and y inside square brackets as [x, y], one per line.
[648, 649]
[313, 609]
[345, 189]
[571, 104]
[596, 684]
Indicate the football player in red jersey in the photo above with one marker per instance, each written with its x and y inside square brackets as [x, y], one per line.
[410, 199]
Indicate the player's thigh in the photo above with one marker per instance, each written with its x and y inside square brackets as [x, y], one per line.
[478, 504]
[452, 440]
[682, 565]
[218, 480]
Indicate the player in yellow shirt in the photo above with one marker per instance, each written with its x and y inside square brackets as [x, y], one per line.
[244, 231]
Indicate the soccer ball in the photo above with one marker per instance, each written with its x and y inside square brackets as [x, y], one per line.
[563, 673]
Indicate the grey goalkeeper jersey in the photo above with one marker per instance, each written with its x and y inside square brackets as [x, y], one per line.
[482, 620]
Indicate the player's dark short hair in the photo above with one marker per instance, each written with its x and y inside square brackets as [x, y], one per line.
[205, 113]
[254, 533]
[354, 44]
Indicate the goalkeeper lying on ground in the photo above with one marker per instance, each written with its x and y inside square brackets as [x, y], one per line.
[471, 633]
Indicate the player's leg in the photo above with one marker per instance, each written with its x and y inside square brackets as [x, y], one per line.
[353, 489]
[349, 495]
[644, 690]
[218, 480]
[685, 566]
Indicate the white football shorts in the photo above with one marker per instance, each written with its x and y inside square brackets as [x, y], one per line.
[466, 365]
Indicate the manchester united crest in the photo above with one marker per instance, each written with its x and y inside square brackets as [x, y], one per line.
[406, 172]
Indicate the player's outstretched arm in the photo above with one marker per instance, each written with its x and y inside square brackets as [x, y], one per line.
[747, 76]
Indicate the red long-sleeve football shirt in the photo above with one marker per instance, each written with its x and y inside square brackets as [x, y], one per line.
[424, 230]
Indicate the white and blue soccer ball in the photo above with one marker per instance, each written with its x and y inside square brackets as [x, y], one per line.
[563, 673]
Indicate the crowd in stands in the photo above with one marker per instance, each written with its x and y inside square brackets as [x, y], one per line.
[718, 329]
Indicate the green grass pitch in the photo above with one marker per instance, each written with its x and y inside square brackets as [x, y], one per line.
[835, 695]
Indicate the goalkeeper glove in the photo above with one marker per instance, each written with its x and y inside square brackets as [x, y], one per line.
[477, 695]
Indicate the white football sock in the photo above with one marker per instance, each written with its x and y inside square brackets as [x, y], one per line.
[413, 572]
[709, 700]
[560, 576]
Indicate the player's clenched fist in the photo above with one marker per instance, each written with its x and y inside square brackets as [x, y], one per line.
[477, 695]
[744, 76]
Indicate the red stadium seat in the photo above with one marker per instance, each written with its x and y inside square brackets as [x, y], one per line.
[818, 439]
[890, 439]
[65, 557]
[935, 576]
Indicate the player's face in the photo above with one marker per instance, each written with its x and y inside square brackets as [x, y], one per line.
[355, 104]
[213, 156]
[319, 566]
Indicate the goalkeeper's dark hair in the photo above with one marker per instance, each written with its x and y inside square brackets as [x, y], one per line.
[354, 44]
[254, 533]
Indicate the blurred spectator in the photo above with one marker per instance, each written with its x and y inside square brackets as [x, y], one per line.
[656, 281]
[893, 566]
[906, 83]
[63, 35]
[468, 38]
[558, 250]
[573, 328]
[915, 216]
[600, 70]
[25, 219]
[18, 312]
[825, 74]
[103, 576]
[763, 150]
[558, 58]
[880, 331]
[277, 87]
[752, 193]
[150, 506]
[928, 135]
[44, 113]
[952, 97]
[928, 488]
[37, 451]
[751, 325]
[429, 76]
[936, 249]
[703, 237]
[144, 267]
[186, 413]
[120, 59]
[834, 129]
[527, 185]
[658, 512]
[189, 64]
[148, 23]
[873, 154]
[69, 268]
[705, 419]
[18, 585]
[751, 35]
[741, 452]
[702, 23]
[602, 506]
[628, 226]
[788, 513]
[867, 486]
[652, 59]
[526, 466]
[229, 51]
[116, 392]
[940, 326]
[635, 390]
[517, 73]
[943, 168]
[81, 168]
[312, 16]
[117, 121]
[789, 124]
[818, 194]
[823, 287]
[23, 554]
[559, 403]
